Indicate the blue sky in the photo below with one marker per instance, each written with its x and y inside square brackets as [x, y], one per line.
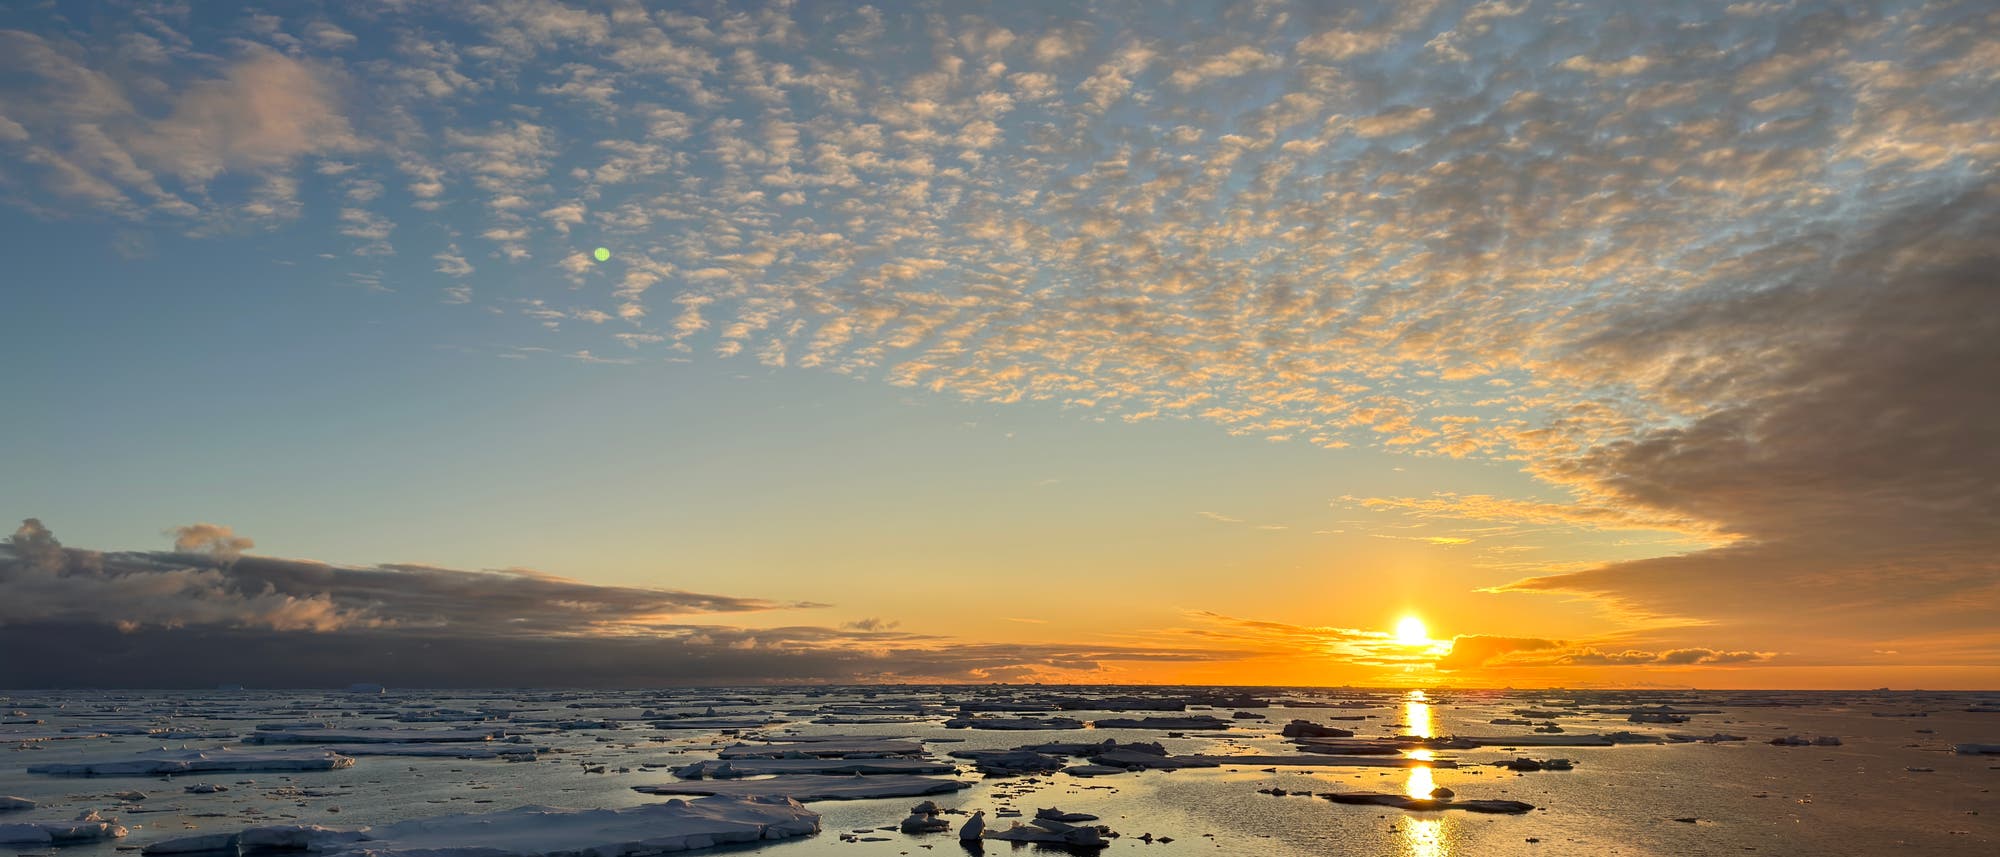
[1303, 314]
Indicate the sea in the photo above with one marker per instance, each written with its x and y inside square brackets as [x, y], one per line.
[1652, 772]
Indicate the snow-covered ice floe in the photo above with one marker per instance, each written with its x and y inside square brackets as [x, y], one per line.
[715, 723]
[814, 787]
[222, 759]
[532, 831]
[88, 827]
[1012, 723]
[527, 752]
[843, 747]
[1199, 721]
[1051, 832]
[717, 769]
[372, 736]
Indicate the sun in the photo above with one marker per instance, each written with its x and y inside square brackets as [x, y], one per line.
[1410, 631]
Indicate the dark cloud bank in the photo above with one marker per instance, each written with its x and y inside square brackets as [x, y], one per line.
[1849, 436]
[182, 618]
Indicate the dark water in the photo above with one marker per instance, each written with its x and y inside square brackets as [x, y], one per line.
[1859, 798]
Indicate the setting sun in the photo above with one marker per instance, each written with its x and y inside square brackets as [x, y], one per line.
[1410, 631]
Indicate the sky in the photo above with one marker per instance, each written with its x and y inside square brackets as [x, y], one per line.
[436, 342]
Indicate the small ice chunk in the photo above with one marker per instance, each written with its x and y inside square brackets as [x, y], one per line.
[973, 827]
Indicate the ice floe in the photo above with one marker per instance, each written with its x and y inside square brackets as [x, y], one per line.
[844, 747]
[1199, 721]
[372, 736]
[534, 831]
[86, 827]
[727, 769]
[1013, 723]
[809, 787]
[172, 762]
[1420, 804]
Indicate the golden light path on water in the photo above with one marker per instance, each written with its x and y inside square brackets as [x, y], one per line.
[1424, 837]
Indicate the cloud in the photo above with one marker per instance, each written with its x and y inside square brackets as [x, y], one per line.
[1476, 650]
[200, 618]
[126, 143]
[207, 581]
[1852, 462]
[213, 539]
[1670, 657]
[705, 655]
[266, 111]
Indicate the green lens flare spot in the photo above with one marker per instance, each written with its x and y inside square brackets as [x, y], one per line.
[603, 254]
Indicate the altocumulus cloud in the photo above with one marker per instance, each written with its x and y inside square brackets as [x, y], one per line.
[1721, 267]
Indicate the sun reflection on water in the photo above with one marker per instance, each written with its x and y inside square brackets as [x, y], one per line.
[1417, 713]
[1422, 837]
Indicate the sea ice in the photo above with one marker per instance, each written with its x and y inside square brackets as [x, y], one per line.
[1012, 723]
[1312, 761]
[1007, 763]
[846, 747]
[973, 827]
[1199, 721]
[720, 769]
[808, 787]
[715, 723]
[221, 759]
[372, 736]
[87, 827]
[1418, 804]
[1309, 729]
[1051, 832]
[535, 831]
[511, 752]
